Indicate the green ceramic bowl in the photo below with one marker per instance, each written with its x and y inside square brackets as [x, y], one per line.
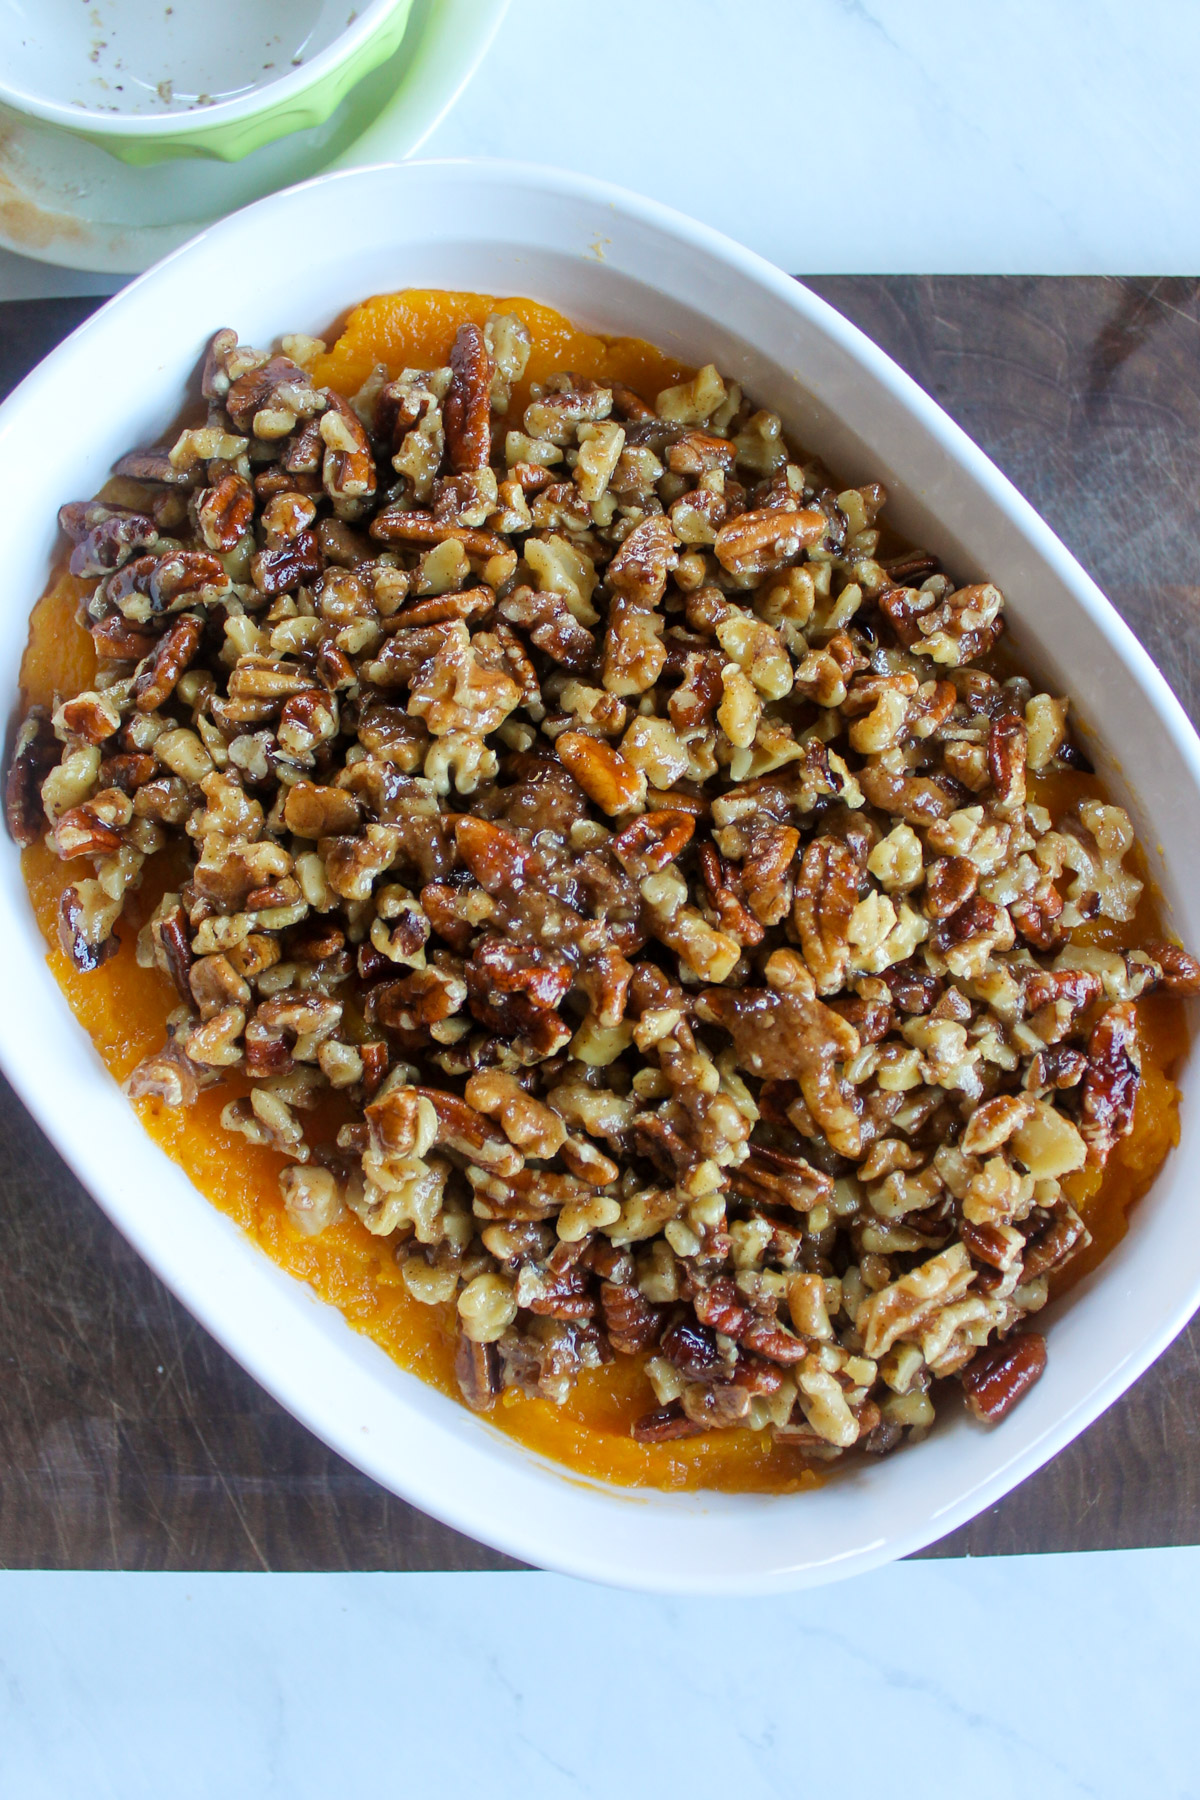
[148, 80]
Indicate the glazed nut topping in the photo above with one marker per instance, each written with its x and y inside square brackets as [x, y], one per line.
[665, 873]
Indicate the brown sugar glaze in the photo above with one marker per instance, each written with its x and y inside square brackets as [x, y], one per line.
[124, 1008]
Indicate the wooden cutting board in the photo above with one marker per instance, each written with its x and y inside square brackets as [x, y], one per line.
[128, 1439]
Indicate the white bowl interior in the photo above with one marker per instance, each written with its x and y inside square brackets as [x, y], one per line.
[619, 265]
[148, 59]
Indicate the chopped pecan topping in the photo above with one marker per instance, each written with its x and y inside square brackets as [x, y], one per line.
[953, 629]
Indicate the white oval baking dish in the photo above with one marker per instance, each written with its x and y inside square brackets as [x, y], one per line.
[296, 261]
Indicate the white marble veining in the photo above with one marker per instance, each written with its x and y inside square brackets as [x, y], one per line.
[1056, 1677]
[857, 135]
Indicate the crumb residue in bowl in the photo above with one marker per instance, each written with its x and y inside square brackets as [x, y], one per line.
[110, 57]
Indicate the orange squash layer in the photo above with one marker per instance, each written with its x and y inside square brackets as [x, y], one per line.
[415, 329]
[123, 1008]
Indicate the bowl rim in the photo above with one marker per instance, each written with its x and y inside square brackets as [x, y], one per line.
[161, 128]
[470, 1510]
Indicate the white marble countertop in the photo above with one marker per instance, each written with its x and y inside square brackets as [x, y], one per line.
[855, 136]
[835, 135]
[1056, 1677]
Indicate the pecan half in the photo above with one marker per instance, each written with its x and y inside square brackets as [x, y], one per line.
[34, 754]
[756, 542]
[632, 1324]
[551, 625]
[774, 1178]
[275, 384]
[297, 559]
[949, 883]
[665, 1423]
[468, 402]
[1180, 972]
[1006, 759]
[477, 1369]
[405, 525]
[167, 1075]
[172, 941]
[734, 918]
[605, 776]
[1110, 1086]
[348, 468]
[1064, 1237]
[116, 640]
[826, 895]
[649, 844]
[158, 675]
[692, 1348]
[153, 464]
[640, 567]
[564, 1296]
[499, 860]
[514, 989]
[84, 926]
[717, 1408]
[225, 512]
[104, 539]
[1001, 1374]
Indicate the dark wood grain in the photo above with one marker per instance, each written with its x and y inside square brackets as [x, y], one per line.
[128, 1439]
